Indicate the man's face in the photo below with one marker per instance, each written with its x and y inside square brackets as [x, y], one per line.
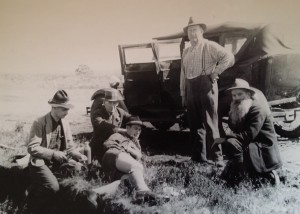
[111, 105]
[238, 95]
[61, 112]
[134, 130]
[195, 34]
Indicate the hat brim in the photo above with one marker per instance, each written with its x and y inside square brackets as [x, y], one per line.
[140, 123]
[248, 89]
[112, 100]
[203, 26]
[63, 105]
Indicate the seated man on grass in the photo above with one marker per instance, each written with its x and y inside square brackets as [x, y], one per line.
[107, 118]
[122, 157]
[252, 145]
[50, 147]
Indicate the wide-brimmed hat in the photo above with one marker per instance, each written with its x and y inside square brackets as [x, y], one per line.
[61, 99]
[134, 120]
[112, 95]
[241, 84]
[193, 22]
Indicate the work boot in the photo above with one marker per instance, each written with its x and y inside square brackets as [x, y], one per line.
[271, 177]
[149, 197]
[275, 181]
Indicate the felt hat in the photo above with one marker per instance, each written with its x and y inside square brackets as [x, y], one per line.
[61, 99]
[241, 84]
[193, 22]
[134, 120]
[112, 94]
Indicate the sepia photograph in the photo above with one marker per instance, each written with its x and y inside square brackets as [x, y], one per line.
[149, 107]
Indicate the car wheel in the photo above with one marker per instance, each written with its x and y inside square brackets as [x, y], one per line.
[163, 125]
[289, 130]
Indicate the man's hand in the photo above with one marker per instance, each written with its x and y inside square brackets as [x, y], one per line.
[59, 156]
[214, 77]
[134, 152]
[82, 158]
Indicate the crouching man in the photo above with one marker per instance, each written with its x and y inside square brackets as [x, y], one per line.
[122, 157]
[252, 145]
[50, 146]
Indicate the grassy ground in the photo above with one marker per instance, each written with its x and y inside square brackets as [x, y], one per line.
[192, 188]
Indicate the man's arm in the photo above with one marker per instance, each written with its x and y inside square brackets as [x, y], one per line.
[182, 80]
[113, 142]
[71, 150]
[34, 147]
[224, 59]
[100, 124]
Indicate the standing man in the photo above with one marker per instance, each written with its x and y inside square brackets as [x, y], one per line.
[106, 119]
[202, 63]
[252, 145]
[50, 146]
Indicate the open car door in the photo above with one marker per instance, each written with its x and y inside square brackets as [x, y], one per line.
[141, 83]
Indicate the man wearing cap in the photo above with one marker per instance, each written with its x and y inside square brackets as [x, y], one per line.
[50, 146]
[252, 145]
[202, 63]
[122, 157]
[106, 119]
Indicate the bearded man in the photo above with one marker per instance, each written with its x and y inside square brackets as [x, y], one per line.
[252, 145]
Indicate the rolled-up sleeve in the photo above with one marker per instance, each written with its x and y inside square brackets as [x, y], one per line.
[224, 58]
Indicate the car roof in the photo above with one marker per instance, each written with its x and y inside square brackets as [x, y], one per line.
[218, 28]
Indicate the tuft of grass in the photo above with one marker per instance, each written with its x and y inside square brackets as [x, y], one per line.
[16, 141]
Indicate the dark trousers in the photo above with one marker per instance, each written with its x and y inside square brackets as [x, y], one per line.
[44, 185]
[43, 189]
[239, 165]
[202, 110]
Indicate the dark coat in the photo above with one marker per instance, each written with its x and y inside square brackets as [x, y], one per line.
[258, 137]
[104, 125]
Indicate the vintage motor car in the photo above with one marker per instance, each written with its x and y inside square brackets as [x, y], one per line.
[152, 74]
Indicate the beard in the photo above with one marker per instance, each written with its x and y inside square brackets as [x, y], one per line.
[238, 111]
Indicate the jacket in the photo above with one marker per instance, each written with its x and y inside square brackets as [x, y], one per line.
[39, 140]
[104, 126]
[258, 137]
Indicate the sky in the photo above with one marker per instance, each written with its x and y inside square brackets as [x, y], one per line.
[56, 36]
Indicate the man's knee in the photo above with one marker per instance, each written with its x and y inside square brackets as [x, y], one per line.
[137, 166]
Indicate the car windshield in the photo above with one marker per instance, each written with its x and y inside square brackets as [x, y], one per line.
[139, 55]
[168, 51]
